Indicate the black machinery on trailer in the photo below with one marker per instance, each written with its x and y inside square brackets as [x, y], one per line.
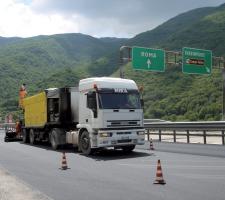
[11, 134]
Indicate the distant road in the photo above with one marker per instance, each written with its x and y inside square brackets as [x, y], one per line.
[112, 175]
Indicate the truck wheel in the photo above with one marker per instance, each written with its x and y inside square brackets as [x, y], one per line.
[53, 139]
[84, 143]
[128, 149]
[32, 137]
[25, 136]
[6, 139]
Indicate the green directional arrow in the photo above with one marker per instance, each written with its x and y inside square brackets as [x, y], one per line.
[149, 63]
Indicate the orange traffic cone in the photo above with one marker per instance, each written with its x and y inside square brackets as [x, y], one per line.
[159, 175]
[64, 163]
[151, 145]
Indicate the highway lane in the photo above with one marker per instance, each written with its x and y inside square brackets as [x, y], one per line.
[112, 175]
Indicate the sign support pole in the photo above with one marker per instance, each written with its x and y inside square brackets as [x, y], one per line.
[122, 59]
[223, 99]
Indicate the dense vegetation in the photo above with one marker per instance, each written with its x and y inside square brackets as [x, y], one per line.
[61, 60]
[180, 97]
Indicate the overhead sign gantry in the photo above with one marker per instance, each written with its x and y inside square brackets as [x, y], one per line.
[193, 61]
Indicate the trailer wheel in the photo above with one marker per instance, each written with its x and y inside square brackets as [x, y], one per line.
[32, 137]
[53, 139]
[25, 136]
[128, 149]
[84, 143]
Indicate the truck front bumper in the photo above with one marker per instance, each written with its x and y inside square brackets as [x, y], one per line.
[114, 138]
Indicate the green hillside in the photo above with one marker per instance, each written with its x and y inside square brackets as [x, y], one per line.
[38, 60]
[61, 60]
[5, 41]
[175, 96]
[207, 33]
[199, 28]
[162, 33]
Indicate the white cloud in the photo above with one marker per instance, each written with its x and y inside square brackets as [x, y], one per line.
[18, 19]
[101, 18]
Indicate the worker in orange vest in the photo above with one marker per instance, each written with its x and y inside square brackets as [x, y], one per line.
[22, 94]
[18, 128]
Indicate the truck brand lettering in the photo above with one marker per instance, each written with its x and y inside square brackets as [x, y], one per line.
[120, 90]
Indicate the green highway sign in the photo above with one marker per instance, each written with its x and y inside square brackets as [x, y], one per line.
[196, 61]
[148, 59]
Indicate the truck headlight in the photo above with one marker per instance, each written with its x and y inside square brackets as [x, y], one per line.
[140, 132]
[105, 134]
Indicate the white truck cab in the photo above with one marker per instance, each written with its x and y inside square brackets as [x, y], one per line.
[108, 113]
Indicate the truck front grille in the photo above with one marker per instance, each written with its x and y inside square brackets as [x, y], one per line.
[123, 133]
[124, 141]
[116, 123]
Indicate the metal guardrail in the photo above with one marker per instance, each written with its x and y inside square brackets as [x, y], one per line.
[153, 120]
[2, 127]
[8, 126]
[172, 128]
[167, 128]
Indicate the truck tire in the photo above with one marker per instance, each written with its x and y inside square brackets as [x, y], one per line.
[6, 139]
[25, 136]
[128, 149]
[53, 139]
[32, 136]
[85, 144]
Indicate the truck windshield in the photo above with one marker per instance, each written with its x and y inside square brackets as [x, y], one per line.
[119, 100]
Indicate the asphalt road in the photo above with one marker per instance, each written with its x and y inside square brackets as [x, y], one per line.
[112, 175]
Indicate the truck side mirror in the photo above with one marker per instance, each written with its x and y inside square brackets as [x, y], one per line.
[142, 103]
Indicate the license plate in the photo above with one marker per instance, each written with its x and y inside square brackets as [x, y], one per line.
[125, 137]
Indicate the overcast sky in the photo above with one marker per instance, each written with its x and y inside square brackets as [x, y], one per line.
[99, 18]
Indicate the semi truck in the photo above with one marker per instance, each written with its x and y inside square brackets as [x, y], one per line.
[101, 112]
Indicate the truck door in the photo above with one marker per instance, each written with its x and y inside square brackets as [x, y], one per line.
[92, 103]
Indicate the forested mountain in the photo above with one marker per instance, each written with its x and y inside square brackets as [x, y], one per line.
[38, 60]
[5, 41]
[161, 34]
[173, 95]
[59, 60]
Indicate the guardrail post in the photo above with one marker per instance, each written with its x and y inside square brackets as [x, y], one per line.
[160, 136]
[188, 136]
[204, 137]
[174, 136]
[223, 142]
[148, 134]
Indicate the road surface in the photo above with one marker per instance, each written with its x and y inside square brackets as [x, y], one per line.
[112, 175]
